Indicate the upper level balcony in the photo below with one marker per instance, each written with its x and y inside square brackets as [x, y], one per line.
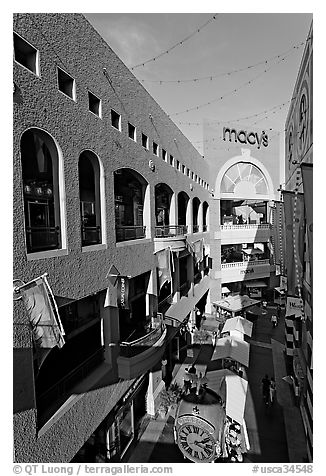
[245, 270]
[140, 355]
[170, 235]
[246, 233]
[132, 232]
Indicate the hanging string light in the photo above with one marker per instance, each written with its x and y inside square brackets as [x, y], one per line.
[227, 73]
[176, 44]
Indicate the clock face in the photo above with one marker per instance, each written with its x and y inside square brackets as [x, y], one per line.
[195, 443]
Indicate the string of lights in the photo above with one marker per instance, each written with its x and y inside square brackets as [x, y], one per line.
[176, 44]
[218, 121]
[227, 73]
[233, 91]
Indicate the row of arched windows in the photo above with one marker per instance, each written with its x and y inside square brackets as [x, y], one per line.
[43, 188]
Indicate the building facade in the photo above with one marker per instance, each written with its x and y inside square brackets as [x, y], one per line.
[299, 184]
[112, 202]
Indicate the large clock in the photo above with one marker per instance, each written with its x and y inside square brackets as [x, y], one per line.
[196, 443]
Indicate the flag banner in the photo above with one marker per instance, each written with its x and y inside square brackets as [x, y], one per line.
[283, 283]
[123, 292]
[294, 307]
[279, 238]
[307, 179]
[198, 250]
[43, 314]
[294, 234]
[164, 268]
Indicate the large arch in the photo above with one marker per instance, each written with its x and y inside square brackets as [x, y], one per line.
[132, 208]
[44, 191]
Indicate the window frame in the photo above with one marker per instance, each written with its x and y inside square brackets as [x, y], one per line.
[73, 97]
[37, 55]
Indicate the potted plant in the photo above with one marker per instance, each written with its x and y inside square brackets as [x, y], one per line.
[168, 398]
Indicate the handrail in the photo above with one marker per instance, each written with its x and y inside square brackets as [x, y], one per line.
[263, 226]
[130, 232]
[170, 230]
[147, 336]
[42, 237]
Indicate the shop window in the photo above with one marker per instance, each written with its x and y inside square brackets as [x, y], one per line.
[205, 216]
[94, 104]
[163, 195]
[164, 155]
[115, 120]
[66, 84]
[40, 171]
[144, 141]
[155, 148]
[26, 54]
[132, 131]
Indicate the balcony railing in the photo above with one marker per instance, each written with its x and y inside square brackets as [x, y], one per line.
[130, 349]
[251, 226]
[205, 227]
[195, 228]
[91, 235]
[132, 232]
[42, 238]
[58, 391]
[244, 264]
[184, 288]
[170, 230]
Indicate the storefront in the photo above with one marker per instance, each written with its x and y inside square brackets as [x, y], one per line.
[255, 289]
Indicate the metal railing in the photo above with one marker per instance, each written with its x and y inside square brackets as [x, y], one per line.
[184, 288]
[165, 304]
[91, 235]
[60, 389]
[251, 226]
[132, 232]
[205, 227]
[195, 228]
[244, 264]
[130, 349]
[170, 230]
[41, 238]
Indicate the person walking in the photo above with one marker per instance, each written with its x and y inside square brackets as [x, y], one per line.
[186, 382]
[274, 320]
[272, 390]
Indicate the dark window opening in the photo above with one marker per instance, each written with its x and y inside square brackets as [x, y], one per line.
[155, 148]
[25, 54]
[164, 155]
[94, 104]
[144, 141]
[115, 120]
[131, 131]
[66, 83]
[171, 160]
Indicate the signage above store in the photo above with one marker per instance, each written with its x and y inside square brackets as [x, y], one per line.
[245, 137]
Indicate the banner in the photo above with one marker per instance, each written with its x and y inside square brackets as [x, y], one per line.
[294, 234]
[279, 238]
[198, 247]
[44, 317]
[294, 307]
[123, 292]
[307, 179]
[164, 268]
[283, 283]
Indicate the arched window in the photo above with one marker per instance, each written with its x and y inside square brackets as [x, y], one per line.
[244, 179]
[89, 196]
[205, 216]
[183, 201]
[195, 209]
[40, 172]
[129, 195]
[163, 195]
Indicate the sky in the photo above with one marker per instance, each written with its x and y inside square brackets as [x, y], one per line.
[228, 43]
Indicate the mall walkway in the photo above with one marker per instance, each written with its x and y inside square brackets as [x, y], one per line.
[276, 435]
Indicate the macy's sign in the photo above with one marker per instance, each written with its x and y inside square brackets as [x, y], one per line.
[245, 137]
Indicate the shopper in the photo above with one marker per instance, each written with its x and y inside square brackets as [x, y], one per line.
[186, 382]
[274, 320]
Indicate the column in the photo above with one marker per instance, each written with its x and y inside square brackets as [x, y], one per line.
[155, 385]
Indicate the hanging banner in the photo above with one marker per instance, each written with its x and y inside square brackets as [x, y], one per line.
[294, 234]
[198, 250]
[294, 307]
[123, 292]
[164, 268]
[279, 238]
[307, 179]
[283, 283]
[44, 317]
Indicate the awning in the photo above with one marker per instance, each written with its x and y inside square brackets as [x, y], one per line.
[232, 389]
[236, 303]
[63, 301]
[233, 348]
[225, 290]
[252, 251]
[238, 324]
[256, 284]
